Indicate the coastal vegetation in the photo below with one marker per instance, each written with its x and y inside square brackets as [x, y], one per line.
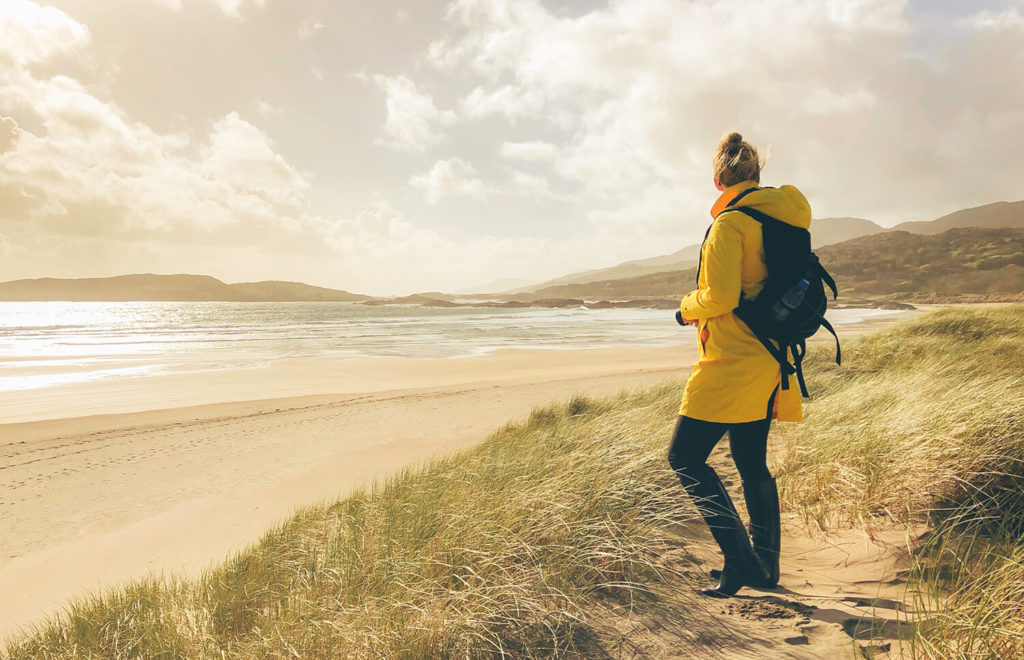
[530, 544]
[955, 265]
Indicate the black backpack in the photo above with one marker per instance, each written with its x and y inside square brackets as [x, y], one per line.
[791, 306]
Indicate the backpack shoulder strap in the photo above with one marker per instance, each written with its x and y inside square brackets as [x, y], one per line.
[777, 352]
[731, 206]
[760, 216]
[799, 350]
[728, 207]
[827, 279]
[828, 326]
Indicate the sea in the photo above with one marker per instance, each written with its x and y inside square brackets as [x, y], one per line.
[43, 344]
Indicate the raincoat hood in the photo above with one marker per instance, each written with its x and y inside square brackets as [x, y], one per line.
[784, 203]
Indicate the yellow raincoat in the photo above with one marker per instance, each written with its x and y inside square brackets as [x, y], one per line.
[735, 376]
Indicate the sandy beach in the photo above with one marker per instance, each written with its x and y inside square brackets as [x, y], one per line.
[89, 500]
[107, 481]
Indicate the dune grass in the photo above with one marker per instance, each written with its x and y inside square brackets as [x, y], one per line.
[924, 425]
[507, 549]
[500, 549]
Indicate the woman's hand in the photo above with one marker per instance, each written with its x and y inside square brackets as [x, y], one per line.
[682, 320]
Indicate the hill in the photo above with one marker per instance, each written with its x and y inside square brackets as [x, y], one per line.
[957, 264]
[566, 535]
[997, 215]
[498, 286]
[169, 288]
[953, 264]
[666, 284]
[676, 261]
[824, 232]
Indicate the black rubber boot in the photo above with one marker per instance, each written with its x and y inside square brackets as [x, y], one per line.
[742, 565]
[762, 498]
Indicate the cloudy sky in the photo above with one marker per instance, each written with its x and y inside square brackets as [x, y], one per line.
[390, 147]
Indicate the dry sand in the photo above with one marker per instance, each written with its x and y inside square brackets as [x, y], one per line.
[102, 482]
[89, 501]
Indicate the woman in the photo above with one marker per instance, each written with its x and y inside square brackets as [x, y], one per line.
[735, 385]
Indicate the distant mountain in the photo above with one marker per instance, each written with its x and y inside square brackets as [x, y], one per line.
[677, 260]
[150, 287]
[666, 284]
[823, 232]
[962, 262]
[826, 231]
[999, 214]
[500, 286]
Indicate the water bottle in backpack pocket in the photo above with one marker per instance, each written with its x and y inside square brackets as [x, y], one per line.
[790, 300]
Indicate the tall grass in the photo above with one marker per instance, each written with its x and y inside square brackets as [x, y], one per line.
[508, 549]
[924, 425]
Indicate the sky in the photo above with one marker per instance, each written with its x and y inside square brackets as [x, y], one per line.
[392, 147]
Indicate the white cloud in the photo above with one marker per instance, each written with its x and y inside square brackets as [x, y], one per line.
[91, 170]
[241, 160]
[173, 5]
[996, 20]
[531, 184]
[448, 178]
[824, 101]
[637, 94]
[308, 28]
[8, 133]
[234, 7]
[507, 100]
[265, 109]
[413, 122]
[529, 151]
[30, 33]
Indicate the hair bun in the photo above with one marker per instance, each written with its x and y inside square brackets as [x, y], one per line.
[736, 160]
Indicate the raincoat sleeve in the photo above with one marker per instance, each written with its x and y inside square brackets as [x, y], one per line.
[721, 281]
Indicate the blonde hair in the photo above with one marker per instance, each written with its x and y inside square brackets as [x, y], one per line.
[736, 161]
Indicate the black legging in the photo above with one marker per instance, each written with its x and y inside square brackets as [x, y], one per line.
[693, 440]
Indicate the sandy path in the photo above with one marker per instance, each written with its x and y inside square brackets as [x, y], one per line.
[840, 597]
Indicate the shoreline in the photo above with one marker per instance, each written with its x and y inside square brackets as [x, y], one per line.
[131, 479]
[315, 375]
